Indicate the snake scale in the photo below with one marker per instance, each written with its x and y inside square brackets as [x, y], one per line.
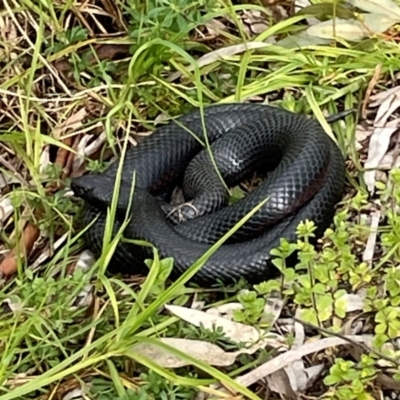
[305, 181]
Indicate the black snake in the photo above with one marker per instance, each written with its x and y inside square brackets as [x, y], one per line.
[306, 182]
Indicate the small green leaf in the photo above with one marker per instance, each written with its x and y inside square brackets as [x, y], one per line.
[331, 380]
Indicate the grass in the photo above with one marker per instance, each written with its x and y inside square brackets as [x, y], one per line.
[70, 72]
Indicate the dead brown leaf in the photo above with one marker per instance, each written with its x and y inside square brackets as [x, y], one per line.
[8, 266]
[372, 83]
[103, 52]
[235, 331]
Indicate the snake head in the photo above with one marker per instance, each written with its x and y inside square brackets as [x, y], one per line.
[96, 189]
[82, 187]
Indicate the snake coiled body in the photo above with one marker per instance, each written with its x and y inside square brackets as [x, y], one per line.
[307, 182]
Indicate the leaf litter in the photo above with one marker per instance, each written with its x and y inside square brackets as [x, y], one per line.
[252, 338]
[383, 129]
[378, 17]
[286, 373]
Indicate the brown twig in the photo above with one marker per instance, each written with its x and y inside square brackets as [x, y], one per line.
[366, 349]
